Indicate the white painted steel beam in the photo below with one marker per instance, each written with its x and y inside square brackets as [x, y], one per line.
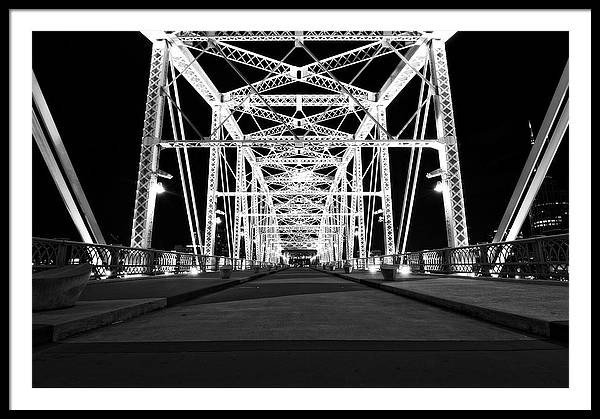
[540, 157]
[85, 221]
[454, 205]
[145, 198]
[57, 177]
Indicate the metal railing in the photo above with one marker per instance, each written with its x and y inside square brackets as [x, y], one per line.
[110, 261]
[535, 258]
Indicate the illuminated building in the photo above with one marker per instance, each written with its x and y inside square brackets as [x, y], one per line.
[549, 213]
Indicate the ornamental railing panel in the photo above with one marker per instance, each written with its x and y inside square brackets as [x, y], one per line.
[110, 261]
[545, 257]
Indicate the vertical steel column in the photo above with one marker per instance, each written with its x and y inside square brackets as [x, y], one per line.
[266, 230]
[211, 191]
[145, 197]
[254, 233]
[240, 188]
[360, 204]
[271, 248]
[352, 217]
[333, 222]
[246, 228]
[348, 236]
[259, 228]
[454, 206]
[337, 229]
[384, 161]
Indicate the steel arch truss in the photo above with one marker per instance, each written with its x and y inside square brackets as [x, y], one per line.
[291, 169]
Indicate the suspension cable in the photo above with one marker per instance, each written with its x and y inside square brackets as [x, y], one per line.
[182, 176]
[412, 198]
[187, 161]
[410, 166]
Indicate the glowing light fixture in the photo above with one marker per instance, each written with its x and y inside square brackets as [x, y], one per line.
[194, 271]
[373, 268]
[439, 187]
[218, 220]
[159, 188]
[404, 269]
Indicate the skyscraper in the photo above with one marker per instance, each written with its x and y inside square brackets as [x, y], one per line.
[549, 213]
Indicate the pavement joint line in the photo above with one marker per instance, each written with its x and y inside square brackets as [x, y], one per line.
[557, 330]
[44, 333]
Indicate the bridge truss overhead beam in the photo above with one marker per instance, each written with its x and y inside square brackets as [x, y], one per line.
[280, 36]
[313, 183]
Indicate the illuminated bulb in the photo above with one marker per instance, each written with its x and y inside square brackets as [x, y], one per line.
[108, 273]
[372, 268]
[218, 220]
[439, 187]
[404, 269]
[159, 188]
[194, 271]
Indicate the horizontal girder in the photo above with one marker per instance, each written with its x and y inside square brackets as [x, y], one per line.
[300, 100]
[272, 36]
[311, 141]
[306, 193]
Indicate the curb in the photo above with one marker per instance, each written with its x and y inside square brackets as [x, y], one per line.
[558, 330]
[46, 333]
[190, 295]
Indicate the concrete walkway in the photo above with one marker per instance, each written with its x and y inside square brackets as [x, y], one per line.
[106, 302]
[302, 328]
[532, 306]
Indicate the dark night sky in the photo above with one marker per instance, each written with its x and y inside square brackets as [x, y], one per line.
[95, 85]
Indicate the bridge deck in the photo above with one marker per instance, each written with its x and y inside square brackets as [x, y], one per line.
[301, 328]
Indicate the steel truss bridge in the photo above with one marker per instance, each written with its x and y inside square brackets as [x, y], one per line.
[295, 170]
[299, 154]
